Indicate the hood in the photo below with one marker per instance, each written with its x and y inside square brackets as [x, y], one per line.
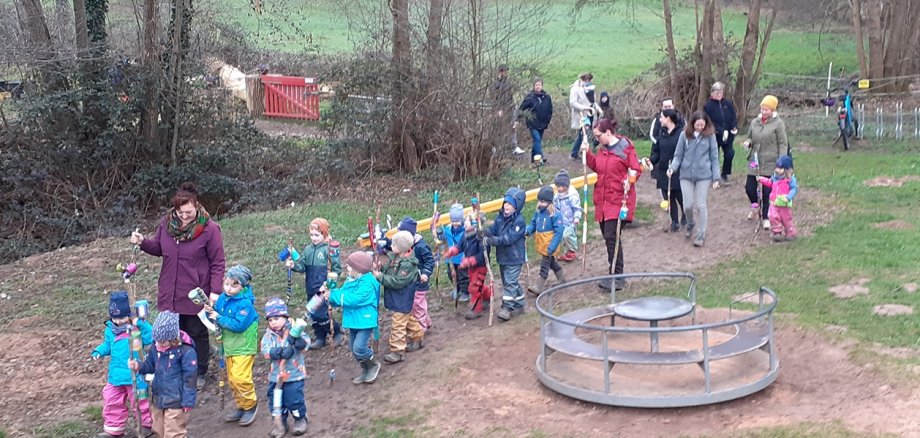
[516, 197]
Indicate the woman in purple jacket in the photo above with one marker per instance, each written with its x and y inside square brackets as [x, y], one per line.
[192, 249]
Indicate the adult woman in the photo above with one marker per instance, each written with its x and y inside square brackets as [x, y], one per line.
[617, 168]
[537, 108]
[766, 142]
[722, 113]
[663, 149]
[193, 256]
[581, 103]
[697, 159]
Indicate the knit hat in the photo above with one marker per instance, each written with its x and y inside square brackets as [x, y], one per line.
[321, 225]
[562, 179]
[784, 162]
[119, 306]
[545, 194]
[402, 241]
[166, 327]
[456, 213]
[275, 307]
[361, 261]
[407, 224]
[240, 273]
[770, 101]
[717, 87]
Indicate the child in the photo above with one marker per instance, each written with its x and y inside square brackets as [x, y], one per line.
[399, 279]
[783, 187]
[359, 297]
[319, 257]
[568, 203]
[235, 312]
[117, 343]
[282, 343]
[507, 236]
[453, 236]
[474, 263]
[546, 227]
[423, 254]
[174, 366]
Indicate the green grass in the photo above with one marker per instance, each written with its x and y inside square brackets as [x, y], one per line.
[93, 413]
[404, 426]
[805, 430]
[66, 429]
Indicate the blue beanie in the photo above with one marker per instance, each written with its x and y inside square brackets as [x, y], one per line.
[119, 306]
[784, 162]
[407, 224]
[241, 274]
[456, 213]
[275, 307]
[562, 179]
[166, 327]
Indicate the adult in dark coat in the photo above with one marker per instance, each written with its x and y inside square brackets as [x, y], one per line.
[670, 126]
[725, 121]
[537, 110]
[192, 249]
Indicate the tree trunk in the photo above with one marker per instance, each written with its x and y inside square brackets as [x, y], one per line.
[763, 49]
[96, 11]
[151, 58]
[718, 36]
[40, 39]
[705, 67]
[81, 35]
[400, 132]
[672, 52]
[876, 43]
[856, 6]
[897, 61]
[435, 26]
[743, 83]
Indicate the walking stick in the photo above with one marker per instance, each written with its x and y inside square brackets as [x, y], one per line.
[435, 217]
[624, 212]
[485, 258]
[290, 256]
[755, 165]
[278, 392]
[584, 191]
[134, 335]
[373, 238]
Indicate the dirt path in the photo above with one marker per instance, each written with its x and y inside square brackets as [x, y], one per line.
[475, 381]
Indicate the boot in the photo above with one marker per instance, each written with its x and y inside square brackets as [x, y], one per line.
[560, 277]
[472, 314]
[538, 288]
[249, 416]
[278, 431]
[338, 338]
[415, 346]
[234, 416]
[363, 376]
[146, 432]
[300, 426]
[373, 368]
[504, 315]
[393, 357]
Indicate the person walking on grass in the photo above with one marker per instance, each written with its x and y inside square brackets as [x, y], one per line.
[783, 189]
[358, 297]
[399, 278]
[697, 159]
[581, 104]
[503, 106]
[568, 203]
[319, 257]
[725, 126]
[547, 228]
[537, 111]
[765, 143]
[506, 235]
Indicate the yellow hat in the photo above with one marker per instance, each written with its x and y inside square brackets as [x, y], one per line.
[770, 101]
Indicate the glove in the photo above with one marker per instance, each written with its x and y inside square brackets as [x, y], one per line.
[287, 353]
[467, 262]
[275, 353]
[487, 232]
[96, 356]
[451, 252]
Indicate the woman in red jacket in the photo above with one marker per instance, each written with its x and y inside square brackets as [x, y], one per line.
[192, 249]
[618, 169]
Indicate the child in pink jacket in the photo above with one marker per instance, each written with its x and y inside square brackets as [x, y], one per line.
[784, 187]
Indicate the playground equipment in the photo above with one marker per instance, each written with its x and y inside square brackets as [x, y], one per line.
[700, 357]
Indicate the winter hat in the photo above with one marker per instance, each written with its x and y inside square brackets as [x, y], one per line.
[456, 213]
[545, 194]
[770, 101]
[166, 327]
[321, 225]
[403, 240]
[241, 274]
[784, 162]
[119, 306]
[407, 224]
[361, 261]
[275, 307]
[562, 179]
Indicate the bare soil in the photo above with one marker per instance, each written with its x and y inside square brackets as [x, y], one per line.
[469, 379]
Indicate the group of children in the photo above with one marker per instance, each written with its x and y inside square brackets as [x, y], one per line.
[405, 265]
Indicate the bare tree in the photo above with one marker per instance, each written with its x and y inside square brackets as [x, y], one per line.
[856, 6]
[747, 76]
[671, 51]
[150, 113]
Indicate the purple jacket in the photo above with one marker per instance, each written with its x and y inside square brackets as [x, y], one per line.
[187, 265]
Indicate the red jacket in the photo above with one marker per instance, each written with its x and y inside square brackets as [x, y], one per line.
[608, 191]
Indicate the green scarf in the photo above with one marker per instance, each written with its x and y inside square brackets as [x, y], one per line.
[190, 231]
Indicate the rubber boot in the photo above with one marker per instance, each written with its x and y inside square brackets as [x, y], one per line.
[560, 276]
[538, 288]
[373, 369]
[278, 431]
[361, 378]
[300, 427]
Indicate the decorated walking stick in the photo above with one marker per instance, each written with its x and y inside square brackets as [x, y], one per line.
[200, 298]
[435, 218]
[286, 254]
[137, 387]
[485, 257]
[278, 392]
[624, 213]
[755, 206]
[584, 190]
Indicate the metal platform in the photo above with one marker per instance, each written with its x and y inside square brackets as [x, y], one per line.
[741, 347]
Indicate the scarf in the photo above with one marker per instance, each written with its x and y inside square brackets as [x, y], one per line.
[117, 330]
[190, 231]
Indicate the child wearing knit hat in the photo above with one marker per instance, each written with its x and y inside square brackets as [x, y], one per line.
[284, 344]
[783, 189]
[426, 265]
[452, 235]
[399, 277]
[319, 257]
[174, 364]
[506, 235]
[547, 228]
[568, 203]
[359, 298]
[235, 312]
[118, 392]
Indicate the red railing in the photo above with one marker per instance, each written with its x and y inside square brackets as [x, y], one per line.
[291, 97]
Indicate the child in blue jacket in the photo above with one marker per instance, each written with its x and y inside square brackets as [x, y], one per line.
[283, 344]
[359, 297]
[547, 228]
[118, 390]
[507, 236]
[174, 366]
[452, 235]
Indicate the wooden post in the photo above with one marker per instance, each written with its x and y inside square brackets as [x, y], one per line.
[255, 93]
